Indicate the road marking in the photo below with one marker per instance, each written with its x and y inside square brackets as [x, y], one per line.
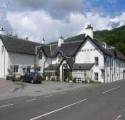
[57, 110]
[30, 100]
[118, 117]
[48, 95]
[112, 89]
[63, 93]
[7, 105]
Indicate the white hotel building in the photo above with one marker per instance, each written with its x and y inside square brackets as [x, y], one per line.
[86, 59]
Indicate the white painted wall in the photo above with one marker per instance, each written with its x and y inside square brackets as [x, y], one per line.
[21, 59]
[87, 54]
[3, 61]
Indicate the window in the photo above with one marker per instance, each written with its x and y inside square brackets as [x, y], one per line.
[24, 70]
[28, 69]
[96, 61]
[96, 76]
[38, 68]
[16, 67]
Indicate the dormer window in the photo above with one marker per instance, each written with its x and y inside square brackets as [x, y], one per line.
[96, 61]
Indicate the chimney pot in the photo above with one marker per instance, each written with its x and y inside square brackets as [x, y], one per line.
[60, 41]
[43, 41]
[89, 31]
[2, 31]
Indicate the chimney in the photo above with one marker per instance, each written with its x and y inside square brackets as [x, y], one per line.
[16, 36]
[2, 31]
[43, 41]
[27, 38]
[60, 41]
[89, 31]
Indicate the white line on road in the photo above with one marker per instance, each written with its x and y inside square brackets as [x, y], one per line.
[112, 89]
[118, 117]
[48, 95]
[57, 110]
[63, 93]
[7, 105]
[30, 100]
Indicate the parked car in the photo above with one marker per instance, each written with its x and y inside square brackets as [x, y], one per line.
[32, 77]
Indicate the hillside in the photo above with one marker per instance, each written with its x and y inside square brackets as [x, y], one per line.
[115, 37]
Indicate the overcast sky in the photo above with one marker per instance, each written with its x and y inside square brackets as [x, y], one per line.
[53, 18]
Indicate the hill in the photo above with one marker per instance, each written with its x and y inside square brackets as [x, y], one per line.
[114, 37]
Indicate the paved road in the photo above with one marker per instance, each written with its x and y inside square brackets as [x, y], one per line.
[99, 102]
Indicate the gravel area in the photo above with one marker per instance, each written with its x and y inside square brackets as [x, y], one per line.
[9, 89]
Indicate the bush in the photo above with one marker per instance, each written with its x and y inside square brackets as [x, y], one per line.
[40, 78]
[13, 78]
[7, 77]
[70, 76]
[44, 75]
[74, 80]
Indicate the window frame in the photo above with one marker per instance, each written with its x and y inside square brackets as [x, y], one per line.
[96, 61]
[96, 76]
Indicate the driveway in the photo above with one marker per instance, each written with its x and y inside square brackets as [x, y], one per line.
[9, 89]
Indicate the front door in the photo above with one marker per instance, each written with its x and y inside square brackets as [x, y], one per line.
[66, 74]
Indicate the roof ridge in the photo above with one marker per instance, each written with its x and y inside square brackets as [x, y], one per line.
[16, 38]
[72, 42]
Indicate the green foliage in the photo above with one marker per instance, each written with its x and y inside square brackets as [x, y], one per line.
[115, 37]
[12, 77]
[44, 75]
[68, 75]
[39, 78]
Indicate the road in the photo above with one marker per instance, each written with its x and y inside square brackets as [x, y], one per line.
[99, 102]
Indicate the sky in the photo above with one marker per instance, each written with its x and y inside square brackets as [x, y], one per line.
[50, 19]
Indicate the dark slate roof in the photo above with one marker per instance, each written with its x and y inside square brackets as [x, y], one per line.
[66, 49]
[50, 50]
[86, 66]
[69, 49]
[52, 67]
[116, 53]
[16, 45]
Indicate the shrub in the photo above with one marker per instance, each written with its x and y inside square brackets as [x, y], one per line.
[7, 77]
[13, 78]
[53, 79]
[40, 78]
[44, 75]
[70, 76]
[74, 80]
